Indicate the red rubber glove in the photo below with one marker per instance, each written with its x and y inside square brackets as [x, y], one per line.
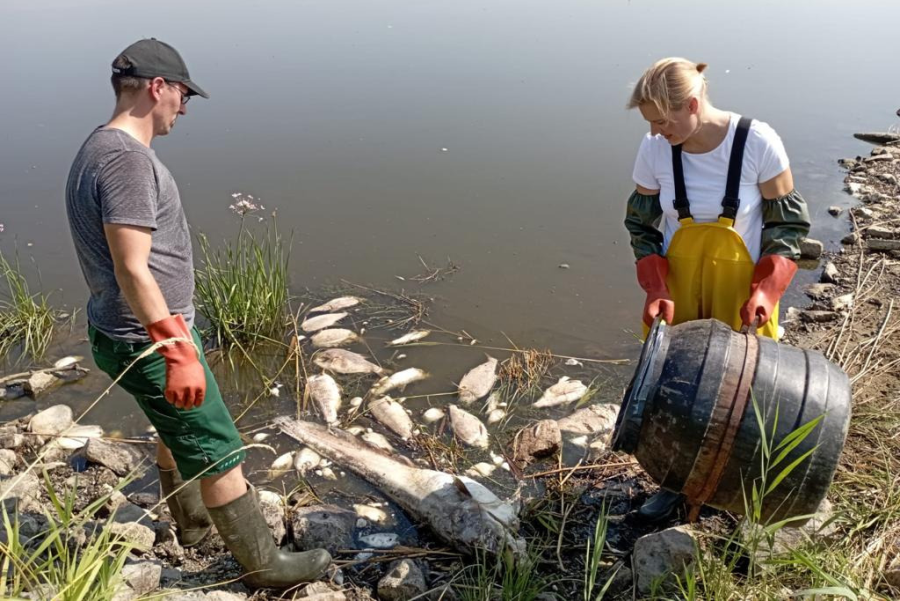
[185, 377]
[771, 277]
[651, 273]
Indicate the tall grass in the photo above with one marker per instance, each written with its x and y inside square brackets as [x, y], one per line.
[53, 562]
[26, 318]
[501, 578]
[242, 287]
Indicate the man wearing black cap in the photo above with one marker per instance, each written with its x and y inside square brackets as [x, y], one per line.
[133, 244]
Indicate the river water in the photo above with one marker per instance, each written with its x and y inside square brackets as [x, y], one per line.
[489, 133]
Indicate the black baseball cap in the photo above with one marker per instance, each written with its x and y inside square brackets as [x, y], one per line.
[152, 58]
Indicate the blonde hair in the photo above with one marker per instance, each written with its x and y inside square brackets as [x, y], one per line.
[669, 84]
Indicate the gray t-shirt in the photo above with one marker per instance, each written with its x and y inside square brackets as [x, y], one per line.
[116, 179]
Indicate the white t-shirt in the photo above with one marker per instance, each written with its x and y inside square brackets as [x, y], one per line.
[705, 176]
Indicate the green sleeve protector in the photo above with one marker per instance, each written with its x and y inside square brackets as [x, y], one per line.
[642, 217]
[785, 224]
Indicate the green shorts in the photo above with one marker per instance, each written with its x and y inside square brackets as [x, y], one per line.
[203, 440]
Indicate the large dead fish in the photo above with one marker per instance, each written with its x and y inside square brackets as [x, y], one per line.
[345, 362]
[468, 428]
[460, 511]
[400, 380]
[333, 337]
[564, 391]
[320, 322]
[478, 381]
[336, 304]
[326, 394]
[392, 416]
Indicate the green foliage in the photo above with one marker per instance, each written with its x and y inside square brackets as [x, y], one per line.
[26, 318]
[242, 288]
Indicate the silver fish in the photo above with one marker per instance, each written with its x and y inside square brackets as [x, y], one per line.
[564, 391]
[282, 463]
[306, 460]
[374, 439]
[478, 381]
[392, 416]
[468, 428]
[326, 393]
[337, 304]
[400, 380]
[333, 337]
[68, 361]
[459, 510]
[410, 337]
[320, 322]
[380, 540]
[345, 362]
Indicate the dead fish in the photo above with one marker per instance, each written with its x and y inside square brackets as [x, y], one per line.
[380, 540]
[481, 469]
[355, 404]
[495, 416]
[306, 460]
[564, 391]
[283, 463]
[268, 497]
[478, 381]
[326, 393]
[337, 304]
[378, 441]
[345, 362]
[492, 403]
[356, 430]
[371, 513]
[433, 415]
[468, 428]
[400, 380]
[392, 416]
[320, 322]
[260, 436]
[333, 337]
[77, 436]
[460, 511]
[68, 361]
[410, 337]
[573, 361]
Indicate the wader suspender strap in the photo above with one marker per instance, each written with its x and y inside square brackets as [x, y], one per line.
[731, 202]
[681, 200]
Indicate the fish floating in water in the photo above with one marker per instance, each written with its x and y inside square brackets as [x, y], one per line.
[468, 428]
[69, 361]
[564, 391]
[333, 337]
[459, 510]
[392, 416]
[337, 304]
[306, 460]
[283, 463]
[413, 336]
[477, 383]
[320, 322]
[378, 441]
[345, 362]
[326, 393]
[400, 380]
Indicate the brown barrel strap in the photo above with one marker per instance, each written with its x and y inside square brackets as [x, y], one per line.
[725, 420]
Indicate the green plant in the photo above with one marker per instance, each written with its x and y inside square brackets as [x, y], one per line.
[592, 555]
[242, 288]
[54, 561]
[26, 319]
[501, 577]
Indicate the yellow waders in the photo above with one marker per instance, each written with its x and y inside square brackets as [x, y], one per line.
[710, 268]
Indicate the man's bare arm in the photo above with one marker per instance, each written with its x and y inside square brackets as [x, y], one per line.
[129, 246]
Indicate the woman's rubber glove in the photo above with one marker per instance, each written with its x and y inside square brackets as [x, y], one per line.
[651, 273]
[185, 376]
[771, 277]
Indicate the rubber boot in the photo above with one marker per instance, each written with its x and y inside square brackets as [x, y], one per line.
[661, 505]
[242, 526]
[186, 507]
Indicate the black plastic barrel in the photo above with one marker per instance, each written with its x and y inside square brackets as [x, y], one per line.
[689, 419]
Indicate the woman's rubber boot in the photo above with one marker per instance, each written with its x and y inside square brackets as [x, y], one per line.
[660, 506]
[186, 506]
[242, 526]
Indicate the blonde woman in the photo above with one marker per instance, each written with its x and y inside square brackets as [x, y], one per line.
[715, 221]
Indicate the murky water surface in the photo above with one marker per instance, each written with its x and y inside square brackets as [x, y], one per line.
[489, 134]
